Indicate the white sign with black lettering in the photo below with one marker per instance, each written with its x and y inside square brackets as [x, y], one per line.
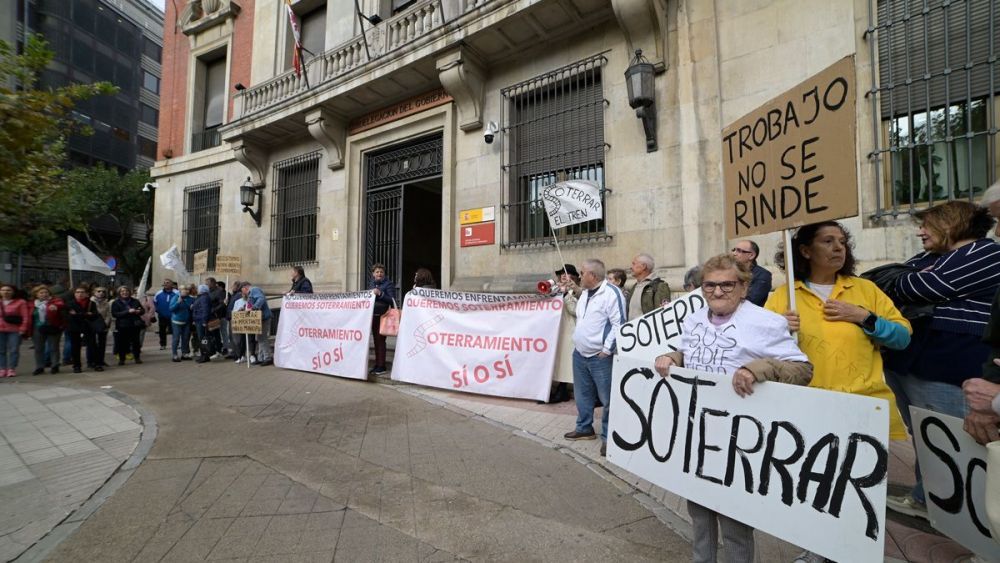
[658, 331]
[953, 466]
[806, 465]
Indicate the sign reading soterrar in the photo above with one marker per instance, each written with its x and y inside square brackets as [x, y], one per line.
[793, 160]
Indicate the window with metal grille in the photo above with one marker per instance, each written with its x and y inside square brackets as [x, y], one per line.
[554, 131]
[294, 210]
[935, 91]
[201, 222]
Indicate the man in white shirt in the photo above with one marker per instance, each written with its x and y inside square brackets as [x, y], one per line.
[600, 311]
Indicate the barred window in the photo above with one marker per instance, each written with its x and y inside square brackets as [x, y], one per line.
[555, 131]
[201, 222]
[935, 90]
[294, 210]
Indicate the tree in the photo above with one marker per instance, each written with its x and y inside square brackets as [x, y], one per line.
[121, 214]
[34, 123]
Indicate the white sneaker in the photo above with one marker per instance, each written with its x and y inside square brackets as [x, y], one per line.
[241, 359]
[907, 505]
[215, 356]
[253, 359]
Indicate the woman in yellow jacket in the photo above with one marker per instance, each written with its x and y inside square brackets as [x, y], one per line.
[842, 319]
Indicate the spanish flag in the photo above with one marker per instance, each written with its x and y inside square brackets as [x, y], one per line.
[297, 52]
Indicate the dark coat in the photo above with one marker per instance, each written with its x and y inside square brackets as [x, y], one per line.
[885, 278]
[81, 317]
[302, 285]
[760, 285]
[201, 311]
[124, 319]
[388, 294]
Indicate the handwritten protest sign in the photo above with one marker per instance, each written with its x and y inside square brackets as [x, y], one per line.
[325, 333]
[246, 322]
[793, 160]
[200, 262]
[658, 331]
[486, 343]
[806, 465]
[953, 466]
[228, 264]
[571, 202]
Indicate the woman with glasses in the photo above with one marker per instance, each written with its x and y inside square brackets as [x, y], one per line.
[843, 320]
[732, 336]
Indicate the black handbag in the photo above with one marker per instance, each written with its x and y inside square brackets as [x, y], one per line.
[10, 319]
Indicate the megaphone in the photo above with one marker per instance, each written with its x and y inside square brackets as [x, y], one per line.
[545, 286]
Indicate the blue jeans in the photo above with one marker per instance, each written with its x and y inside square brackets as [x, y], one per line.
[67, 351]
[180, 337]
[9, 343]
[591, 381]
[936, 396]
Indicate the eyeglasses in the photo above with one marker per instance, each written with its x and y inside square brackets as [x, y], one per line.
[726, 286]
[741, 251]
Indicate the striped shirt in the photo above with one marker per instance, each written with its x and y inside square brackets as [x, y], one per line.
[961, 284]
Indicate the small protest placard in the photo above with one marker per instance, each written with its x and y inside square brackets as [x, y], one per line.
[793, 160]
[571, 202]
[228, 264]
[954, 466]
[246, 322]
[200, 262]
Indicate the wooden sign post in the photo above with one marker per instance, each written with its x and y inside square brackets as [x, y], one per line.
[246, 322]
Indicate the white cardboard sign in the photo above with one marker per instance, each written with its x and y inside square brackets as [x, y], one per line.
[953, 466]
[325, 333]
[486, 343]
[571, 202]
[658, 331]
[806, 465]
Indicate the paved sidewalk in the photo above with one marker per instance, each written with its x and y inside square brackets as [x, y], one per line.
[57, 447]
[907, 539]
[265, 464]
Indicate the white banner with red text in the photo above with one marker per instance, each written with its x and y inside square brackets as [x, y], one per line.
[325, 333]
[487, 343]
[806, 465]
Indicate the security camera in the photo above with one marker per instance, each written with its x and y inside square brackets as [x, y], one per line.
[491, 131]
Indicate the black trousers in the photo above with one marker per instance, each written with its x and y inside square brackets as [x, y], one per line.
[76, 341]
[128, 342]
[165, 329]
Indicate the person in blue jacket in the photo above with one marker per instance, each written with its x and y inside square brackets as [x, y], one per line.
[180, 318]
[385, 295]
[161, 302]
[257, 301]
[201, 311]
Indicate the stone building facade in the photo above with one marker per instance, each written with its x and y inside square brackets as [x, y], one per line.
[377, 151]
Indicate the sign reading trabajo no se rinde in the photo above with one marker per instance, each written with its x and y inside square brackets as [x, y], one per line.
[793, 161]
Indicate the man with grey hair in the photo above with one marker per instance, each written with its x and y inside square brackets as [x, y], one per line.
[600, 311]
[649, 293]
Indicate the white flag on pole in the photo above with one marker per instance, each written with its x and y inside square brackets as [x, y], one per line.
[171, 260]
[571, 202]
[144, 282]
[81, 258]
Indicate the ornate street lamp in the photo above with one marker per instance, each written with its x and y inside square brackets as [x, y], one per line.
[248, 194]
[642, 95]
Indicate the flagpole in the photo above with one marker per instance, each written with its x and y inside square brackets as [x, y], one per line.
[562, 265]
[364, 37]
[69, 263]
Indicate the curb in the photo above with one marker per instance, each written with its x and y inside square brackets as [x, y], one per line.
[44, 546]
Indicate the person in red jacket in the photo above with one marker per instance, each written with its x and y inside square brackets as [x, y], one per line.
[15, 322]
[48, 317]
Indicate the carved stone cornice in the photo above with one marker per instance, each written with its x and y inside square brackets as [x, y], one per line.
[642, 23]
[252, 157]
[199, 15]
[329, 132]
[463, 77]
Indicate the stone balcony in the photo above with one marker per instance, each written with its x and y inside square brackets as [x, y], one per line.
[435, 43]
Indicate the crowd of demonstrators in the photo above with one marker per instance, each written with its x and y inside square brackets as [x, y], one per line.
[747, 251]
[385, 297]
[762, 350]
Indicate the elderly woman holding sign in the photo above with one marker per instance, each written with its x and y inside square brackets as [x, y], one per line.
[732, 336]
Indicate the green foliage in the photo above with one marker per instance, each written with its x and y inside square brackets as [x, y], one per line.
[121, 213]
[34, 124]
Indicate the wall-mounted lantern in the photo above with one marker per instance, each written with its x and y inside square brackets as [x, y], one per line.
[642, 95]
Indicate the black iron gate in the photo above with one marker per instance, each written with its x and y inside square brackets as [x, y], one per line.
[387, 172]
